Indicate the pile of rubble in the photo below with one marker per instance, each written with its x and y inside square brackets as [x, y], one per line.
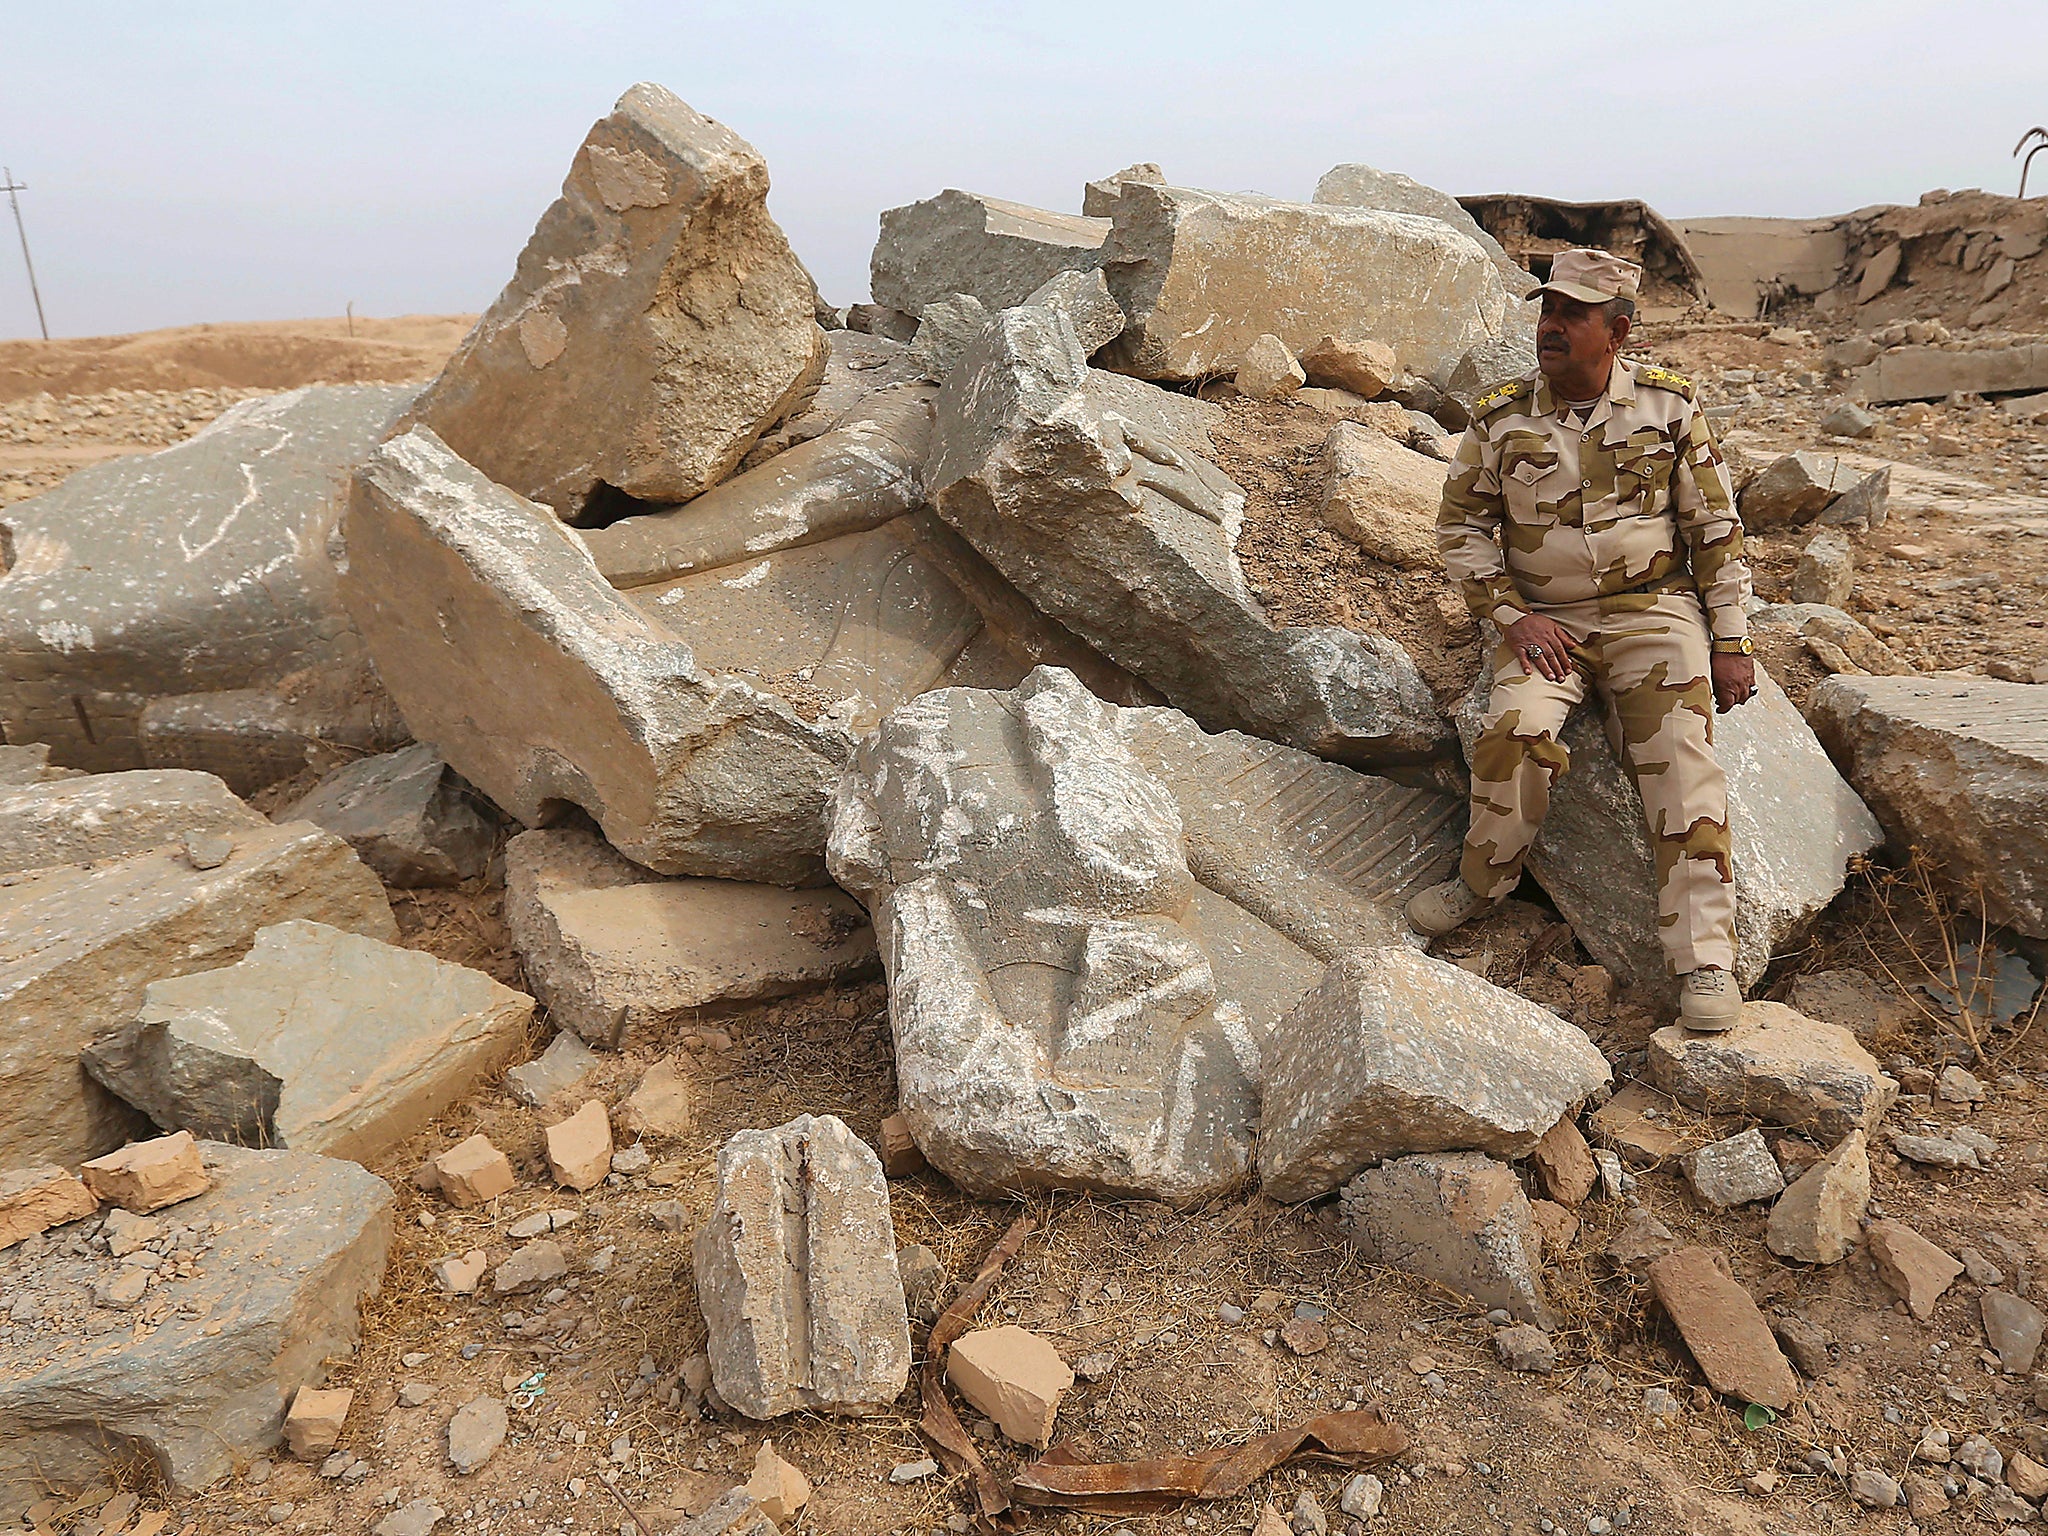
[809, 644]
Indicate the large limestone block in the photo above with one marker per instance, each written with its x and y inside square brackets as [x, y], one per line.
[1794, 826]
[197, 1380]
[1362, 186]
[407, 814]
[961, 242]
[1775, 1065]
[1201, 274]
[204, 569]
[621, 955]
[544, 687]
[318, 1040]
[796, 1274]
[1458, 1219]
[79, 944]
[1127, 538]
[111, 815]
[1935, 373]
[1397, 1052]
[1382, 495]
[1092, 919]
[656, 324]
[1957, 767]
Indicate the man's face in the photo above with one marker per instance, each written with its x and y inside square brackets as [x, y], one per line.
[1574, 338]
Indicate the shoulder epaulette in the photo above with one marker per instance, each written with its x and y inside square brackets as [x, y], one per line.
[1664, 378]
[1498, 396]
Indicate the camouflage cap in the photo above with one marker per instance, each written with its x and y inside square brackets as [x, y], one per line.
[1591, 277]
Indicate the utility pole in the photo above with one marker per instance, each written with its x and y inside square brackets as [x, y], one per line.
[14, 202]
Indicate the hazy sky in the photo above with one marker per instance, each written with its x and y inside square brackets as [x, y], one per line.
[199, 161]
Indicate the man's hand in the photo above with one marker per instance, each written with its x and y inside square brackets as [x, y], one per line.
[1734, 679]
[1544, 646]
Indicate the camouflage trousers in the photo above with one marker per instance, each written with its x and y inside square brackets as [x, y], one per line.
[1647, 656]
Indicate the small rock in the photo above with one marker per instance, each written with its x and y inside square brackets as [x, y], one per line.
[312, 1427]
[1565, 1163]
[778, 1488]
[472, 1172]
[1873, 1489]
[1733, 1172]
[32, 1200]
[1013, 1376]
[530, 1268]
[475, 1433]
[1847, 419]
[924, 1282]
[1935, 1446]
[1778, 1066]
[662, 1105]
[1642, 1240]
[1096, 1366]
[579, 1149]
[1826, 572]
[558, 1069]
[1366, 368]
[1660, 1404]
[1805, 1344]
[2014, 1327]
[1525, 1348]
[1268, 370]
[901, 1157]
[1362, 1496]
[1980, 1458]
[1722, 1327]
[414, 1519]
[1304, 1336]
[669, 1215]
[1980, 1269]
[416, 1394]
[1271, 1523]
[1924, 1497]
[146, 1176]
[628, 1162]
[460, 1276]
[1935, 1151]
[1818, 1220]
[1912, 1266]
[2027, 1477]
[1307, 1517]
[1954, 1085]
[1230, 1315]
[208, 850]
[913, 1471]
[540, 1223]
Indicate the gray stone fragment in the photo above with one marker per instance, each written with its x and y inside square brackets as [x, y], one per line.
[30, 764]
[1826, 572]
[1794, 824]
[416, 1517]
[1459, 1219]
[1525, 1347]
[529, 1268]
[1396, 1052]
[543, 686]
[943, 332]
[735, 1512]
[796, 1274]
[1934, 1151]
[1102, 1029]
[1199, 275]
[1958, 767]
[1084, 298]
[1492, 362]
[1845, 418]
[1127, 539]
[961, 242]
[924, 1282]
[1775, 1065]
[1935, 373]
[203, 571]
[407, 814]
[1873, 1488]
[1734, 1171]
[111, 815]
[559, 1068]
[657, 323]
[1794, 489]
[1362, 186]
[296, 1244]
[78, 944]
[1819, 1219]
[2013, 1326]
[319, 1040]
[621, 955]
[476, 1432]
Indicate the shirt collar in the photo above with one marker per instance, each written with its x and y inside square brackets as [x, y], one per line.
[1621, 390]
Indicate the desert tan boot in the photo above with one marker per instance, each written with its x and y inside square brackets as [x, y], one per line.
[1709, 999]
[1442, 908]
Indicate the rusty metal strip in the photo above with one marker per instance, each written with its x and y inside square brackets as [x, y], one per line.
[941, 1425]
[1353, 1438]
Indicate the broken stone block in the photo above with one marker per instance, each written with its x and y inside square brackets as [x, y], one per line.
[661, 1105]
[1397, 1052]
[33, 1200]
[312, 1425]
[2026, 1477]
[529, 1268]
[1525, 1347]
[1794, 826]
[199, 572]
[1268, 371]
[472, 1172]
[1734, 1171]
[943, 332]
[1722, 1327]
[796, 1274]
[112, 815]
[1805, 1344]
[1187, 891]
[621, 956]
[1458, 1219]
[79, 943]
[1633, 1124]
[1084, 298]
[733, 1513]
[146, 1176]
[1366, 368]
[1826, 572]
[1565, 1163]
[1958, 767]
[777, 1488]
[559, 1069]
[1381, 496]
[901, 1157]
[2013, 1326]
[1642, 1240]
[1014, 1377]
[475, 1433]
[1845, 418]
[460, 1276]
[318, 1040]
[1362, 186]
[1794, 489]
[1778, 1066]
[1935, 373]
[407, 814]
[1200, 274]
[580, 1148]
[962, 242]
[1555, 1225]
[1818, 1219]
[30, 764]
[1917, 1270]
[1864, 505]
[296, 1244]
[1126, 538]
[544, 687]
[657, 284]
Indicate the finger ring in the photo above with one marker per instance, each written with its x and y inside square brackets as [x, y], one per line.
[1535, 650]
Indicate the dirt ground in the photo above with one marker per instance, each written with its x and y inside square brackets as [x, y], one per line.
[603, 1449]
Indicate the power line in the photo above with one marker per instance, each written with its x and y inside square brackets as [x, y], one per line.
[14, 202]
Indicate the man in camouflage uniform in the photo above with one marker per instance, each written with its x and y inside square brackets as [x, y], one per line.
[1589, 517]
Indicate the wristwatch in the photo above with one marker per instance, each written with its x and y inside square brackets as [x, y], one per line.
[1741, 647]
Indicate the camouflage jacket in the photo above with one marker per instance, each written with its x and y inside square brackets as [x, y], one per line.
[1536, 513]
